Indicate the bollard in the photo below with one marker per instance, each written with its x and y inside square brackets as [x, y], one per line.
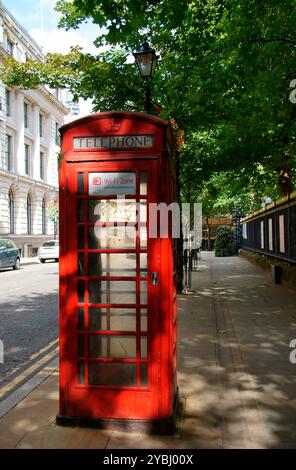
[276, 274]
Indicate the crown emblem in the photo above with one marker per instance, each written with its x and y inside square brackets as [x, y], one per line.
[113, 125]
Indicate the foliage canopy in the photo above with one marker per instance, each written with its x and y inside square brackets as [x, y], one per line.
[224, 74]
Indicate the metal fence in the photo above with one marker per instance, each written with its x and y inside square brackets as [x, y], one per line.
[272, 231]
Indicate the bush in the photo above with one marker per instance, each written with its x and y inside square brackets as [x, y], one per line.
[225, 241]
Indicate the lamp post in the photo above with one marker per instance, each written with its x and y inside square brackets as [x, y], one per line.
[237, 215]
[146, 60]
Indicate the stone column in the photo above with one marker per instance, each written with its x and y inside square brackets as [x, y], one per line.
[35, 161]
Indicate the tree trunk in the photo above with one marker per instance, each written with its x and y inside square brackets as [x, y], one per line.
[285, 178]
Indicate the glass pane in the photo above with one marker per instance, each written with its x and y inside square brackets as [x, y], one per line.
[120, 347]
[144, 375]
[143, 211]
[81, 319]
[112, 292]
[80, 290]
[143, 264]
[143, 183]
[80, 210]
[143, 292]
[112, 210]
[80, 264]
[143, 237]
[80, 237]
[143, 347]
[80, 179]
[80, 374]
[112, 237]
[143, 319]
[120, 319]
[80, 347]
[112, 374]
[112, 264]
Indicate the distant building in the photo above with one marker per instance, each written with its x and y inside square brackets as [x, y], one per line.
[29, 147]
[73, 106]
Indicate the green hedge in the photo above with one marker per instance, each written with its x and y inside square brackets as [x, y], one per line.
[225, 241]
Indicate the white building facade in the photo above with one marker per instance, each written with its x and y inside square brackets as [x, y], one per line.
[29, 148]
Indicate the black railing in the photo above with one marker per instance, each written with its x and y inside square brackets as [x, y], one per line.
[272, 231]
[190, 263]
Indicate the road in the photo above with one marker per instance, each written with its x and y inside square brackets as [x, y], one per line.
[28, 317]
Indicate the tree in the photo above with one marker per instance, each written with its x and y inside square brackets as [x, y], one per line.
[225, 241]
[53, 215]
[224, 74]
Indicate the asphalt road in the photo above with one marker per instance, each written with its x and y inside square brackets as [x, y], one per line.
[28, 316]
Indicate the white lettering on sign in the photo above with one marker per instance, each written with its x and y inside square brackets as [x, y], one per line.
[108, 184]
[113, 142]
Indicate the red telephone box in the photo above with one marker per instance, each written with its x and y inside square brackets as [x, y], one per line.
[118, 313]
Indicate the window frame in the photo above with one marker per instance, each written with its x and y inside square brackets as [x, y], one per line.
[57, 135]
[11, 209]
[41, 165]
[7, 152]
[41, 134]
[29, 215]
[7, 102]
[44, 224]
[9, 46]
[26, 115]
[27, 159]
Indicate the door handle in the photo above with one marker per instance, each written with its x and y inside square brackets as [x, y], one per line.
[154, 278]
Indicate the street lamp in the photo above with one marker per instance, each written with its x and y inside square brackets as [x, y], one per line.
[146, 60]
[237, 215]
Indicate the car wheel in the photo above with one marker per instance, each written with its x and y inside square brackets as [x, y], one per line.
[17, 265]
[42, 260]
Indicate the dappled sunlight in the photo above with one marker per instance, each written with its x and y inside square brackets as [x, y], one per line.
[241, 394]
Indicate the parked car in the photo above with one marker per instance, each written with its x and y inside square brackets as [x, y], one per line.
[49, 250]
[9, 254]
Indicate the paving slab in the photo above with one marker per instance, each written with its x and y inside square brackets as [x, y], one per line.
[236, 382]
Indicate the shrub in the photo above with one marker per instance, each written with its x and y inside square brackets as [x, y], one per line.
[225, 241]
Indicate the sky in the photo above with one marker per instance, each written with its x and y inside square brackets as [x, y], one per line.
[40, 19]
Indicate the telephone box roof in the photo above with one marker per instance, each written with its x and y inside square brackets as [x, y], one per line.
[115, 115]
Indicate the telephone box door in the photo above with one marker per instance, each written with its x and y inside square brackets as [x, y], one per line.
[112, 291]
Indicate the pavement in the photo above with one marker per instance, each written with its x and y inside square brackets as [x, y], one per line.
[237, 384]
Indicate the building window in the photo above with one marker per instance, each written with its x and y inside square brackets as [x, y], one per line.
[57, 134]
[7, 100]
[7, 163]
[9, 47]
[26, 115]
[41, 125]
[27, 159]
[43, 217]
[11, 212]
[41, 165]
[29, 215]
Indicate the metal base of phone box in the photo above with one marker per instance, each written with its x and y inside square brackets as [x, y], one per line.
[166, 426]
